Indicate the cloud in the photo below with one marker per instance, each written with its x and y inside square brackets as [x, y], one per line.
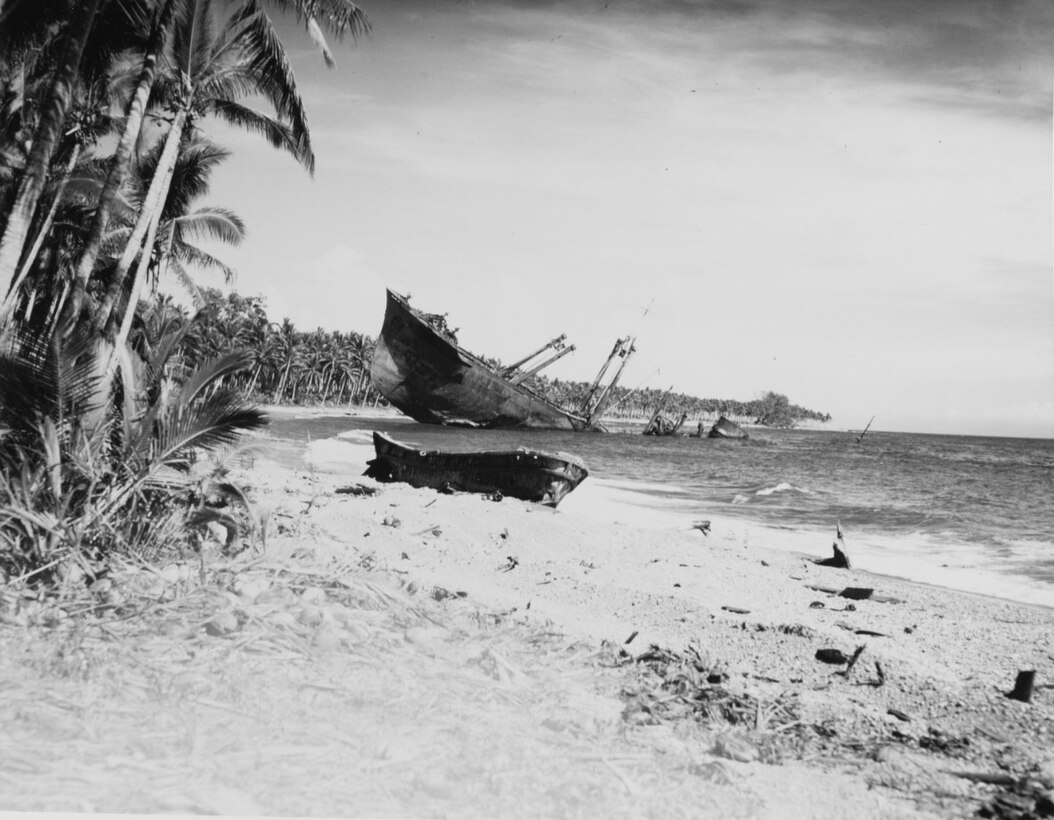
[336, 291]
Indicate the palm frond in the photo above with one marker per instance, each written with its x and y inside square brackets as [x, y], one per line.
[192, 35]
[211, 372]
[177, 432]
[258, 42]
[201, 415]
[275, 132]
[210, 224]
[317, 36]
[340, 17]
[176, 269]
[221, 420]
[26, 24]
[48, 378]
[191, 255]
[172, 336]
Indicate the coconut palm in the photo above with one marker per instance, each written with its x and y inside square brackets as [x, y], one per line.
[207, 73]
[181, 225]
[88, 31]
[83, 456]
[90, 120]
[45, 139]
[25, 24]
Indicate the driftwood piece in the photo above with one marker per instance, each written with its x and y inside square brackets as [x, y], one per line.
[1022, 690]
[856, 594]
[993, 779]
[840, 559]
[356, 489]
[736, 610]
[852, 661]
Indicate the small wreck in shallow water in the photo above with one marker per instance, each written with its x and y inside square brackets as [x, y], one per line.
[531, 475]
[723, 428]
[420, 368]
[660, 425]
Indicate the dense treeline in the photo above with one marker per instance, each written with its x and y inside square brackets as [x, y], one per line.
[109, 394]
[772, 409]
[288, 366]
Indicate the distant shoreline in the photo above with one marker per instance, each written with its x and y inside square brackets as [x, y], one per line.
[324, 411]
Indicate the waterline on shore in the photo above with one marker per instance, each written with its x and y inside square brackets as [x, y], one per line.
[918, 557]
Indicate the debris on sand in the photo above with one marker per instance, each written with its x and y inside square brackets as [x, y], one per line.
[840, 559]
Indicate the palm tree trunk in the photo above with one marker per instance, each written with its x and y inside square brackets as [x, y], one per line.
[12, 296]
[252, 381]
[119, 163]
[281, 382]
[155, 201]
[46, 138]
[137, 285]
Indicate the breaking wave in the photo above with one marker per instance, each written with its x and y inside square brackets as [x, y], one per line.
[782, 487]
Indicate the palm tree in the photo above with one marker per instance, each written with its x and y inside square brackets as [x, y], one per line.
[80, 463]
[288, 354]
[181, 225]
[89, 121]
[47, 134]
[26, 23]
[209, 73]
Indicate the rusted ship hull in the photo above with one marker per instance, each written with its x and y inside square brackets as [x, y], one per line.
[723, 428]
[527, 474]
[418, 366]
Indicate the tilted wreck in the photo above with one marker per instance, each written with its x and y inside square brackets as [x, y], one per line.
[420, 368]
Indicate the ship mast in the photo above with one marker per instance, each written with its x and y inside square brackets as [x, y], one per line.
[603, 370]
[556, 344]
[624, 348]
[521, 377]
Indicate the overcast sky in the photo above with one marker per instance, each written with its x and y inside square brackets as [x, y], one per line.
[847, 202]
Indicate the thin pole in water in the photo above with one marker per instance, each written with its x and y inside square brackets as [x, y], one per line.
[861, 436]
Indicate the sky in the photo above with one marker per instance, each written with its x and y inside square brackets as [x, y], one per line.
[848, 202]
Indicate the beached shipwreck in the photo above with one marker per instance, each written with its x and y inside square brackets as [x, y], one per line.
[532, 475]
[420, 368]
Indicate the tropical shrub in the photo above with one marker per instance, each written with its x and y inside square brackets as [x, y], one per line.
[84, 472]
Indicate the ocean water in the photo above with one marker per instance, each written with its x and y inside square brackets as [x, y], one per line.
[972, 513]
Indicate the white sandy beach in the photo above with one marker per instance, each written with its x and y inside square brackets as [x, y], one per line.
[599, 571]
[415, 654]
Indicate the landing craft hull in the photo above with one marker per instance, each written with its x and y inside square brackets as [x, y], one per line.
[418, 366]
[531, 475]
